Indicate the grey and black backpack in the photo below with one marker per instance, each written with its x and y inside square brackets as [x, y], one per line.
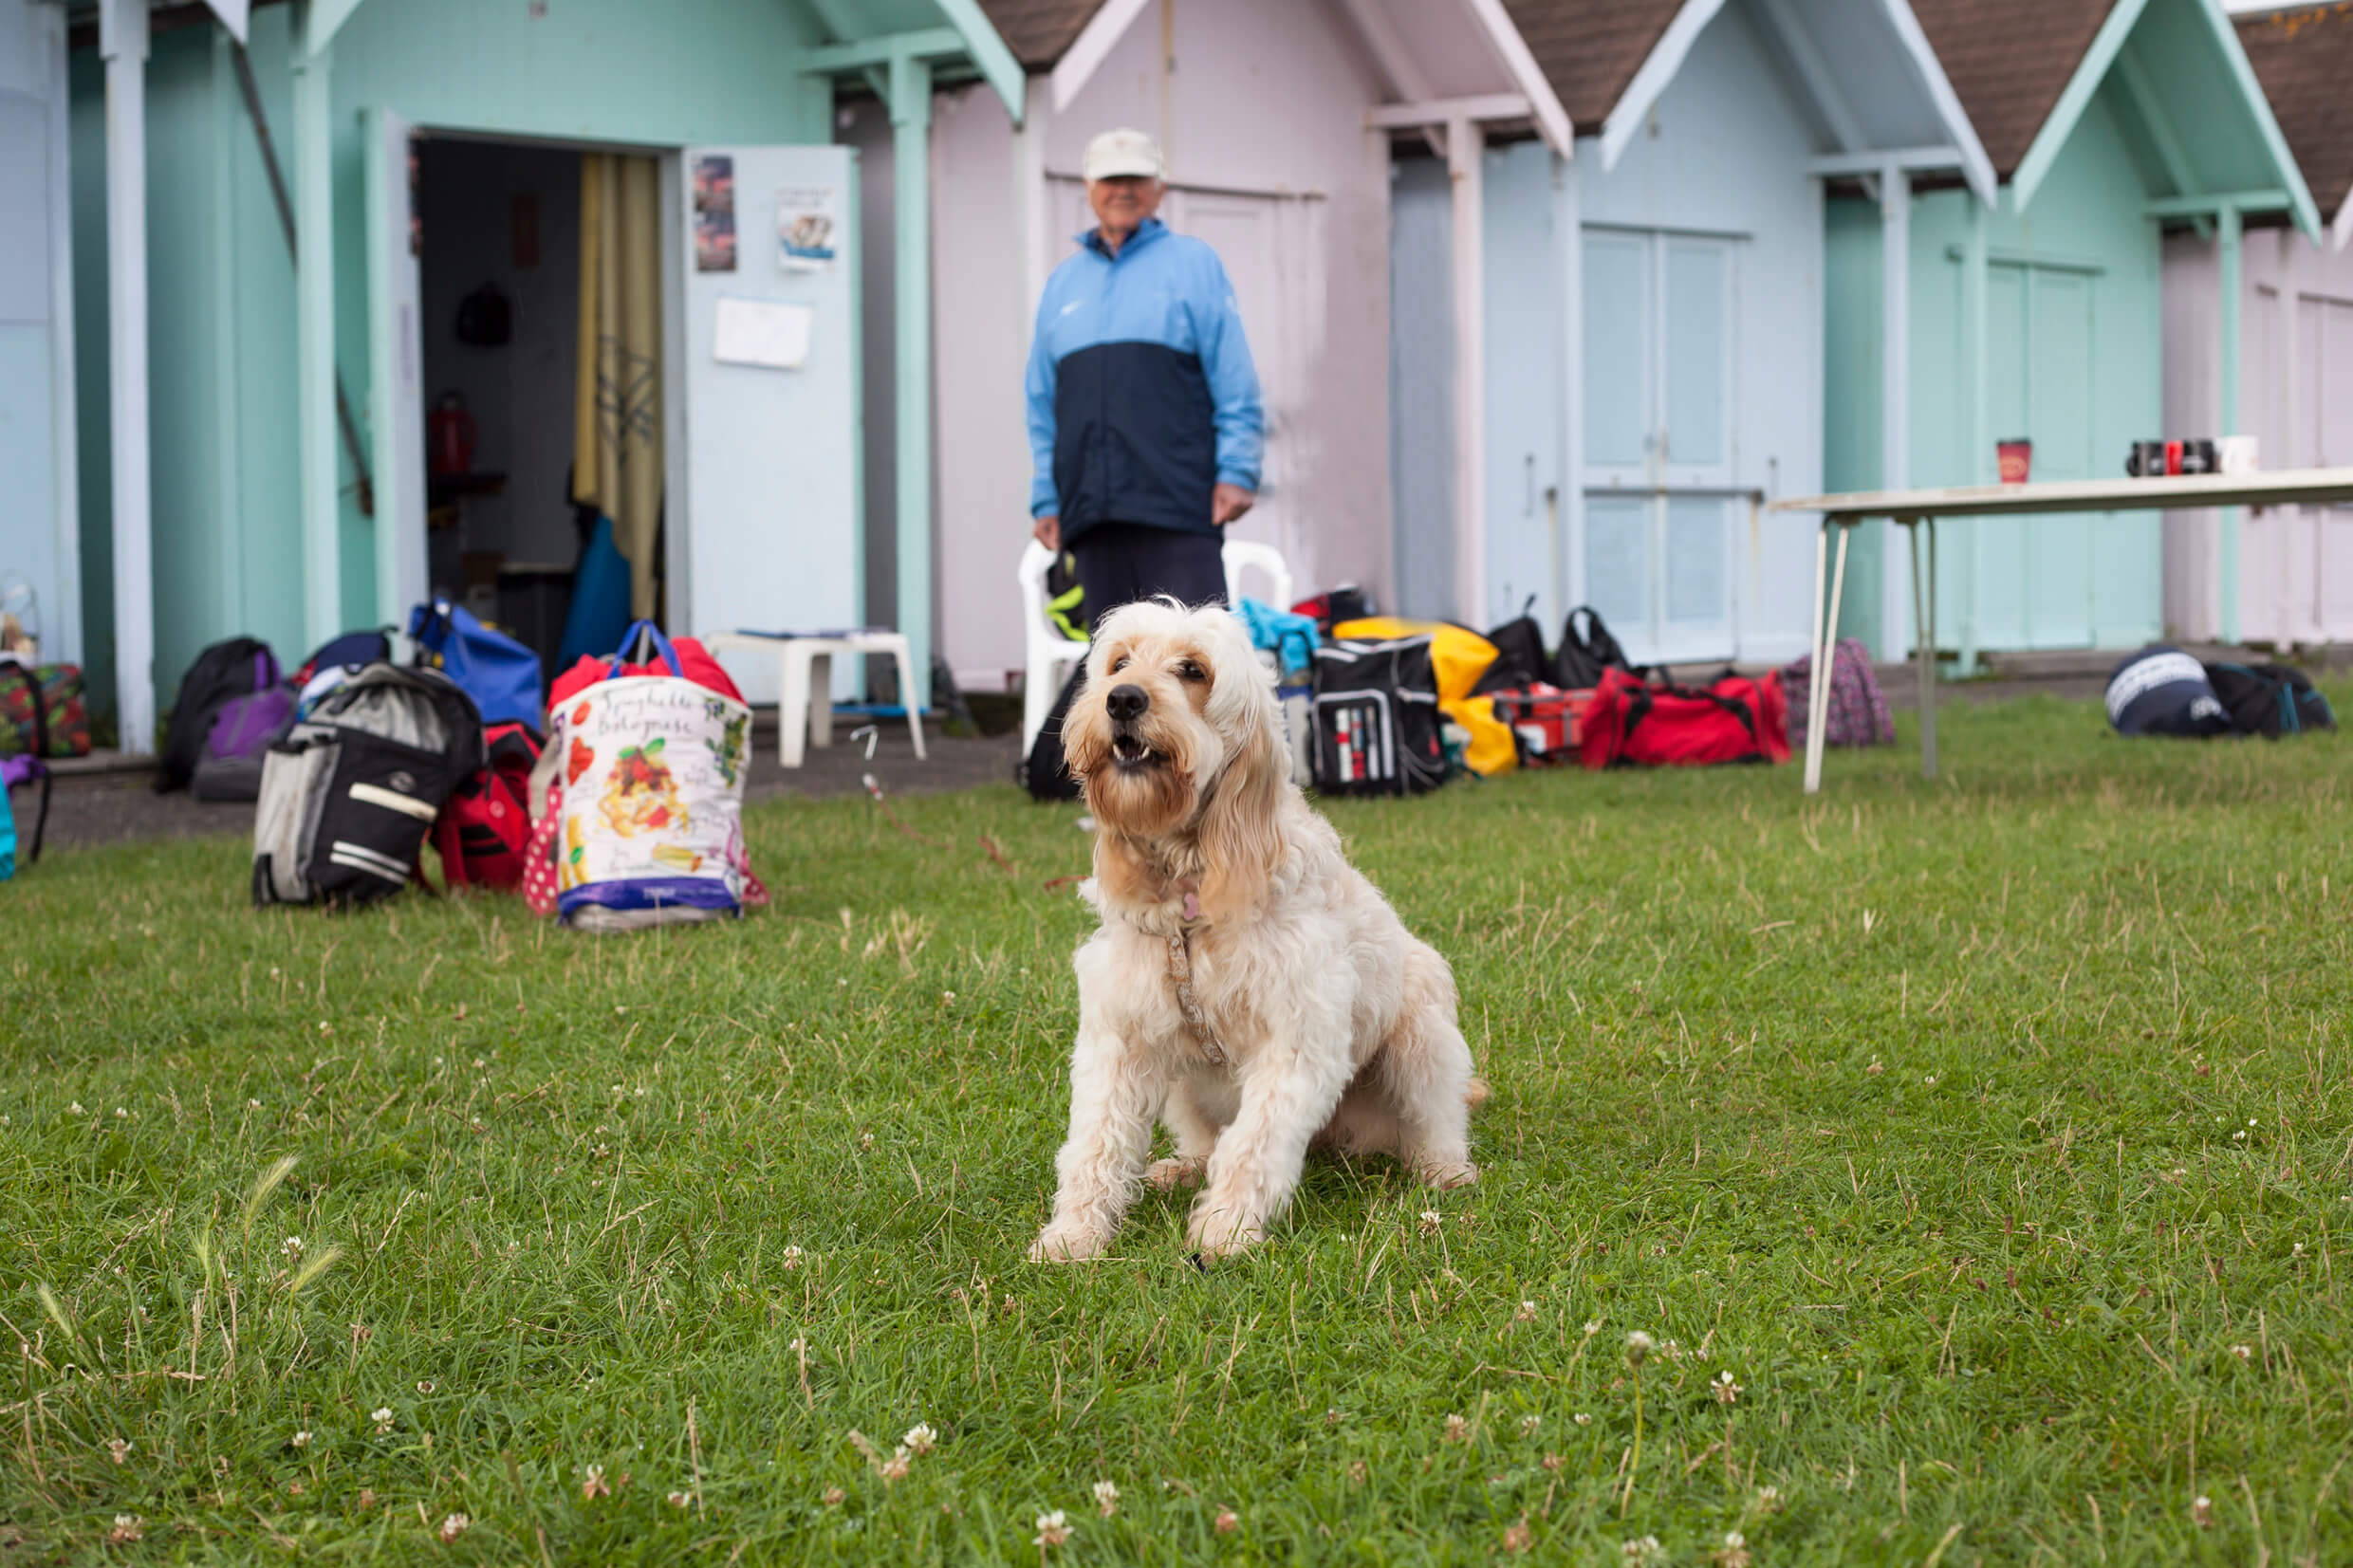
[349, 795]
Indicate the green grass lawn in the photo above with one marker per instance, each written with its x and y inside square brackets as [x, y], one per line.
[1993, 1136]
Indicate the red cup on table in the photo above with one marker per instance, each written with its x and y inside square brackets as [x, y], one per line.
[2014, 460]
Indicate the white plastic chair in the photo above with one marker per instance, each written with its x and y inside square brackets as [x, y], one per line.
[1049, 654]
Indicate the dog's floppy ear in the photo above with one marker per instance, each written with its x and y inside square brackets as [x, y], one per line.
[1240, 834]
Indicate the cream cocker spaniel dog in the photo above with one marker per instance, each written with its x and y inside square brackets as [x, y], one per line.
[1248, 986]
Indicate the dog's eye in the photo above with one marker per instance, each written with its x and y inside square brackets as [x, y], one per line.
[1119, 664]
[1188, 670]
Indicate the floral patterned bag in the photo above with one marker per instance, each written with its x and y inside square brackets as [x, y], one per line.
[639, 797]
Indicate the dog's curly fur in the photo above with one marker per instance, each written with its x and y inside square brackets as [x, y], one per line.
[1336, 1026]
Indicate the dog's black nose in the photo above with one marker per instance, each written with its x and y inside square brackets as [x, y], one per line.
[1126, 702]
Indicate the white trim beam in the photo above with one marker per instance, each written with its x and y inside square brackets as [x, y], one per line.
[1092, 47]
[123, 45]
[1446, 111]
[1666, 58]
[1511, 52]
[2218, 203]
[1911, 160]
[2340, 231]
[858, 53]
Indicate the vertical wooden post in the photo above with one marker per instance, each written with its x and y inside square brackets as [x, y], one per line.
[2226, 416]
[910, 199]
[314, 329]
[63, 624]
[1976, 326]
[122, 44]
[1896, 380]
[1466, 144]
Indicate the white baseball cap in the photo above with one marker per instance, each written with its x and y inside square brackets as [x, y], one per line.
[1122, 152]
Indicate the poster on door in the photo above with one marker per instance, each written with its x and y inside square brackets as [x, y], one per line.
[714, 213]
[805, 221]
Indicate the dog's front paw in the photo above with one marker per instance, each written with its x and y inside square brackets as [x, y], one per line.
[1060, 1243]
[1170, 1174]
[1215, 1235]
[1445, 1173]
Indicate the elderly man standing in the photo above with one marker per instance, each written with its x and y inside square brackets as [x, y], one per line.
[1144, 414]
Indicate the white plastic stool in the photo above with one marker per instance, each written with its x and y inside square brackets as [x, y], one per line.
[804, 709]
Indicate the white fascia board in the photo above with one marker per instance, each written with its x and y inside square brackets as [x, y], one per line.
[1092, 47]
[232, 14]
[1975, 166]
[2340, 231]
[1666, 58]
[1511, 51]
[2073, 100]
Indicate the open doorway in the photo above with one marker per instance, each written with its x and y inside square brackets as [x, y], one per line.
[543, 489]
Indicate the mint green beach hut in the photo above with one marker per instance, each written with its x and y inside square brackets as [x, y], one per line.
[2042, 316]
[530, 208]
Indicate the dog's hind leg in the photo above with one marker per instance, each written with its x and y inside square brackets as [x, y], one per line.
[1288, 1094]
[1424, 1069]
[1114, 1095]
[1195, 1135]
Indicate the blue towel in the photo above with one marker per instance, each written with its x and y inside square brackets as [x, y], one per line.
[1292, 636]
[600, 612]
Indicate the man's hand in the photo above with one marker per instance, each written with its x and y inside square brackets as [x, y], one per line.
[1227, 503]
[1048, 531]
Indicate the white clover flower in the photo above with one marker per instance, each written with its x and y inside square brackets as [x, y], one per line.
[920, 1439]
[1052, 1529]
[453, 1526]
[1638, 1346]
[1107, 1498]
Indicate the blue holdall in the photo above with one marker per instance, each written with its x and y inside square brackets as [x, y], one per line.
[499, 673]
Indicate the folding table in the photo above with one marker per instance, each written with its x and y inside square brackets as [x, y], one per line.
[1918, 511]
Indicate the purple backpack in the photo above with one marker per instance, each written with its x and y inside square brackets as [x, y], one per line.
[244, 729]
[1856, 712]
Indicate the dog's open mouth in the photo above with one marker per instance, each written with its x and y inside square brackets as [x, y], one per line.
[1129, 751]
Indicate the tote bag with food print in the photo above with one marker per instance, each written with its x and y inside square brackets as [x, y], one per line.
[649, 823]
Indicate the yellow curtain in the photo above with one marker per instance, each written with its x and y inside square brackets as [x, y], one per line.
[617, 452]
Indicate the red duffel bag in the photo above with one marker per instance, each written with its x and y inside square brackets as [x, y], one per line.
[1734, 720]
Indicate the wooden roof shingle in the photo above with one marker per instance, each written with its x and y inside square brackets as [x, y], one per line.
[2304, 59]
[1040, 33]
[1589, 49]
[2009, 60]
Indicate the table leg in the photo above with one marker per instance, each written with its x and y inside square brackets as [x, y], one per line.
[906, 699]
[1927, 648]
[792, 702]
[821, 700]
[1814, 683]
[1818, 688]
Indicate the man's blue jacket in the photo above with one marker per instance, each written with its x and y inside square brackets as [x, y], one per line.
[1141, 392]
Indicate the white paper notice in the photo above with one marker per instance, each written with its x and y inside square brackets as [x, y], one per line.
[763, 332]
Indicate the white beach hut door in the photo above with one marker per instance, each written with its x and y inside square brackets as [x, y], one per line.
[763, 431]
[2323, 437]
[1661, 446]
